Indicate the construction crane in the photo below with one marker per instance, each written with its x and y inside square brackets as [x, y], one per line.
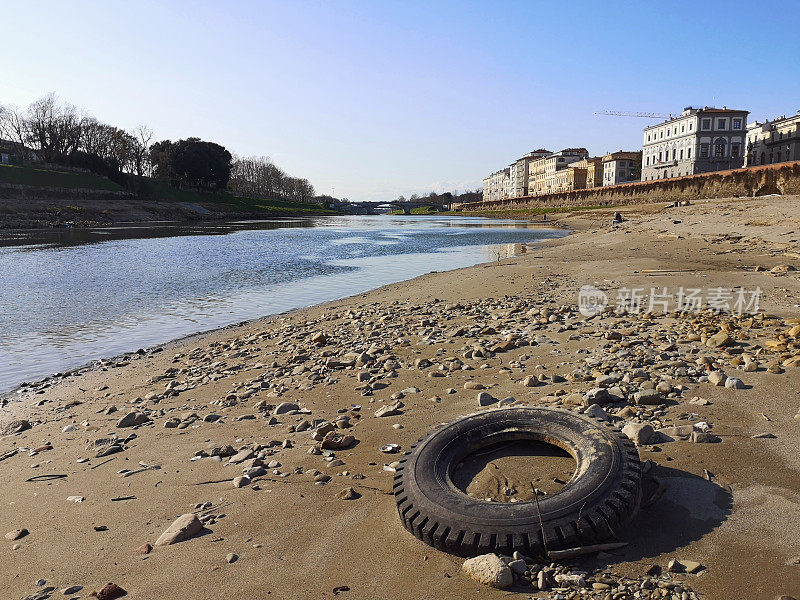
[645, 115]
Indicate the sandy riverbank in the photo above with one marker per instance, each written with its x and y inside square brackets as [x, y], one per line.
[296, 538]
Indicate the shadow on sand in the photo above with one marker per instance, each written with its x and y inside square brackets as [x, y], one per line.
[690, 507]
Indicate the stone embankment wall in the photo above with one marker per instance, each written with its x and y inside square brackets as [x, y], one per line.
[13, 191]
[782, 178]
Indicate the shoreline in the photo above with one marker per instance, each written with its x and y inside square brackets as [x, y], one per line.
[31, 387]
[293, 534]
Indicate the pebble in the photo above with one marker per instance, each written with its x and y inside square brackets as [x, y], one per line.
[72, 590]
[241, 481]
[716, 378]
[640, 433]
[486, 399]
[231, 558]
[16, 534]
[348, 493]
[132, 419]
[285, 407]
[389, 410]
[110, 591]
[181, 529]
[734, 383]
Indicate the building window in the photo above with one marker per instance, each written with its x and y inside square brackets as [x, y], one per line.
[659, 157]
[737, 123]
[683, 128]
[674, 154]
[703, 150]
[763, 156]
[719, 149]
[722, 123]
[688, 153]
[681, 154]
[690, 126]
[734, 150]
[706, 124]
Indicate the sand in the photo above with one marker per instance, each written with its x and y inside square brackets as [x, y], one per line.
[297, 539]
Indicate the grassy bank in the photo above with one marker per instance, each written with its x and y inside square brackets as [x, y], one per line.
[159, 190]
[56, 179]
[56, 197]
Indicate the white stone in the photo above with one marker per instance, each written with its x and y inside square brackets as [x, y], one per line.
[489, 569]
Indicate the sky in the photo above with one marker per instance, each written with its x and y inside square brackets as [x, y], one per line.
[373, 99]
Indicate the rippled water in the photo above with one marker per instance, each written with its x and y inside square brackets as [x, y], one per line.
[68, 297]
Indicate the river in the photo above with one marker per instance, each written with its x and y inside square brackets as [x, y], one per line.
[71, 296]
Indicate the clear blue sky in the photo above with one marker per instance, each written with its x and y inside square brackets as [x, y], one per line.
[376, 99]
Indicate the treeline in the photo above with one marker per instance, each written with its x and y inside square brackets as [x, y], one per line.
[58, 133]
[447, 197]
[258, 176]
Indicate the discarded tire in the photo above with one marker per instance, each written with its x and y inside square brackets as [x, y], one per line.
[602, 495]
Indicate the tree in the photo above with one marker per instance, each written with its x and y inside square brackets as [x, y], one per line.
[257, 176]
[160, 162]
[141, 149]
[192, 162]
[14, 128]
[53, 129]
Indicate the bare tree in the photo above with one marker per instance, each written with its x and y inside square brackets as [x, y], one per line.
[142, 135]
[14, 128]
[54, 129]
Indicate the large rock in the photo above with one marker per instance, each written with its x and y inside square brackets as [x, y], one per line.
[15, 426]
[285, 407]
[719, 340]
[645, 397]
[133, 418]
[182, 528]
[640, 433]
[676, 432]
[734, 383]
[716, 378]
[337, 441]
[110, 591]
[490, 570]
[485, 399]
[597, 395]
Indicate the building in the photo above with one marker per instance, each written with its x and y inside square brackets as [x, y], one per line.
[557, 162]
[13, 153]
[497, 185]
[621, 167]
[699, 140]
[571, 178]
[773, 141]
[536, 176]
[519, 172]
[594, 170]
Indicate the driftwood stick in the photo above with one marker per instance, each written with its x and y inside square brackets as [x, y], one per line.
[581, 550]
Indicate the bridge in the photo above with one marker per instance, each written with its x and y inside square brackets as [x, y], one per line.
[376, 208]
